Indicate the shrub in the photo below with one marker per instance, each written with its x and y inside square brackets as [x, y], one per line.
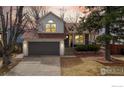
[94, 48]
[17, 48]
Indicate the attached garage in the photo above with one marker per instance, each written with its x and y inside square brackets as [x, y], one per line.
[43, 48]
[48, 40]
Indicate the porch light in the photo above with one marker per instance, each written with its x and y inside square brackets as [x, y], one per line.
[25, 48]
[61, 47]
[66, 36]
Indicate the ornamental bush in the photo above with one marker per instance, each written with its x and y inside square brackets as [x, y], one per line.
[94, 48]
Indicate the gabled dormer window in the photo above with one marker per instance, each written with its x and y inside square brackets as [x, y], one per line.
[51, 26]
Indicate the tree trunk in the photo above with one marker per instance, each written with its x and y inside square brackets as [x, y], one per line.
[107, 52]
[6, 59]
[107, 42]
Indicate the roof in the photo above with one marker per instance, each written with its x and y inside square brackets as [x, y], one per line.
[71, 26]
[54, 15]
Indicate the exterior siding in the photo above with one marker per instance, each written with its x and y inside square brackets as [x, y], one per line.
[44, 21]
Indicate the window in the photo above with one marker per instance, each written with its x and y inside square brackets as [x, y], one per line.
[51, 26]
[79, 39]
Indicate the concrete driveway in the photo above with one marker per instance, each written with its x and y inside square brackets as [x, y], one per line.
[37, 66]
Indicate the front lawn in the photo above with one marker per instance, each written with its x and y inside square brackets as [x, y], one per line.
[87, 66]
[78, 66]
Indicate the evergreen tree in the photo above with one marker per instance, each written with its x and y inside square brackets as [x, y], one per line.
[108, 17]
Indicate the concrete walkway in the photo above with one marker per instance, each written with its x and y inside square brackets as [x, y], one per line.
[37, 66]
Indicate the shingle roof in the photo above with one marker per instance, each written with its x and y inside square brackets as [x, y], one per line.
[71, 26]
[54, 15]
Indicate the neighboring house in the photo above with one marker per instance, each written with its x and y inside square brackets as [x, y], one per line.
[115, 42]
[53, 36]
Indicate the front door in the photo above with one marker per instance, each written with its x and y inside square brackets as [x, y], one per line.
[86, 39]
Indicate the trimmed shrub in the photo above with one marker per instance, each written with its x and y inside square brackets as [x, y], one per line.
[94, 48]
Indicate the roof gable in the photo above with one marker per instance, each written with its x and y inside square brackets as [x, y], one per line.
[51, 13]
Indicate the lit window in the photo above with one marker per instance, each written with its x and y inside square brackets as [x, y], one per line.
[51, 26]
[79, 39]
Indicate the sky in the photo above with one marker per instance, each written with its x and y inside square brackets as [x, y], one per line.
[70, 12]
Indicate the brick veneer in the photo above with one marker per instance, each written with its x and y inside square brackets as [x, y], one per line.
[51, 35]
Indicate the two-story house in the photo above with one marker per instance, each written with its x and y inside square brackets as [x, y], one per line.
[53, 36]
[49, 39]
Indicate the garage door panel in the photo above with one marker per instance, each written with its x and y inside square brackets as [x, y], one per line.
[43, 48]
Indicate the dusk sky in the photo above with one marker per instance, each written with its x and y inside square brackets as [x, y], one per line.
[70, 12]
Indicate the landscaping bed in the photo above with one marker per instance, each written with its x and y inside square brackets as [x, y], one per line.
[88, 53]
[90, 47]
[115, 61]
[5, 69]
[88, 50]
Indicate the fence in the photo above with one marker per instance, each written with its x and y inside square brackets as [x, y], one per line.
[116, 49]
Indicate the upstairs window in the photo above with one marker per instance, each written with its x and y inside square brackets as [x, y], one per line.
[51, 26]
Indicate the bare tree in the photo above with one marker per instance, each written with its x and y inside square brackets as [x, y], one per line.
[75, 17]
[34, 14]
[12, 25]
[62, 12]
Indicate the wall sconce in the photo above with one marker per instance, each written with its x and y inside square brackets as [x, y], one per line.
[66, 36]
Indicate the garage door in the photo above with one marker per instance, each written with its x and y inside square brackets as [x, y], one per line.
[43, 48]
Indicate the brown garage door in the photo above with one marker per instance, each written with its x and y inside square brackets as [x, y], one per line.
[43, 48]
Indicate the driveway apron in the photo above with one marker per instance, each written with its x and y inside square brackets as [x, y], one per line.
[37, 66]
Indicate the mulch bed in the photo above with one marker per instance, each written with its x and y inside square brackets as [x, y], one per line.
[5, 69]
[113, 62]
[89, 54]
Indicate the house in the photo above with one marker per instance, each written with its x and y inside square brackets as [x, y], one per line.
[49, 39]
[52, 37]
